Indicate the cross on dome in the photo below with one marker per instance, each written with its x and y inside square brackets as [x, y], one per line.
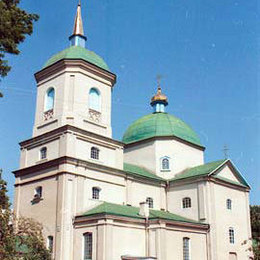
[159, 101]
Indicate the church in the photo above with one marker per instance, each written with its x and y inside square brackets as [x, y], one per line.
[148, 196]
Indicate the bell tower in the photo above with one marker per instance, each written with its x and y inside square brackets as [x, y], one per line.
[74, 88]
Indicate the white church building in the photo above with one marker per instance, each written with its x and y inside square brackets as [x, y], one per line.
[149, 196]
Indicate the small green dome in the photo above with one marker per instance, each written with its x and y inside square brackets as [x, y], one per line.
[78, 52]
[159, 124]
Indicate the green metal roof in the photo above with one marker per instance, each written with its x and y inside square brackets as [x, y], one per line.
[143, 172]
[159, 124]
[77, 52]
[200, 170]
[206, 169]
[133, 212]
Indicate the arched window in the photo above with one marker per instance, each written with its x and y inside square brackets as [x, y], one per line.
[38, 192]
[94, 153]
[88, 246]
[186, 202]
[95, 193]
[165, 163]
[149, 200]
[94, 99]
[50, 243]
[229, 204]
[43, 153]
[186, 248]
[231, 235]
[49, 99]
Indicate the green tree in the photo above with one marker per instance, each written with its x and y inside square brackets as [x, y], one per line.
[20, 238]
[15, 24]
[255, 224]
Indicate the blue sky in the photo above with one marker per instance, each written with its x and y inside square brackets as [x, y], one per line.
[206, 51]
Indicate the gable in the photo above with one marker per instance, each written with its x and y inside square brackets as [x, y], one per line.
[227, 173]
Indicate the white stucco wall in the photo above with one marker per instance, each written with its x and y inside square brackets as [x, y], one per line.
[33, 153]
[228, 174]
[175, 196]
[71, 101]
[45, 210]
[174, 245]
[149, 155]
[141, 155]
[108, 192]
[128, 241]
[237, 218]
[108, 155]
[140, 191]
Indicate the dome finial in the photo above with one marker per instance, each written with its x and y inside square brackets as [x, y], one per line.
[78, 38]
[159, 100]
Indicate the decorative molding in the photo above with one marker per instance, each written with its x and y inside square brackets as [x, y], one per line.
[47, 115]
[94, 115]
[48, 123]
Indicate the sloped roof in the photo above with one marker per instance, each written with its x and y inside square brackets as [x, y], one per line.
[208, 169]
[200, 170]
[133, 212]
[211, 169]
[140, 171]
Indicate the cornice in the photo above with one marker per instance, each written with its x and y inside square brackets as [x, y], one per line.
[66, 129]
[87, 165]
[154, 138]
[79, 63]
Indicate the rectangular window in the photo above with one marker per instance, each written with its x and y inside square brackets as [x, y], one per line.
[88, 246]
[95, 193]
[231, 236]
[50, 243]
[186, 248]
[94, 154]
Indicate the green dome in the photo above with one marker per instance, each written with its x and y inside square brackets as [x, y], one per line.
[77, 52]
[159, 124]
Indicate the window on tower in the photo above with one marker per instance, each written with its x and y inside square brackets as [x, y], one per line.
[43, 153]
[186, 202]
[94, 153]
[49, 99]
[37, 195]
[94, 99]
[38, 192]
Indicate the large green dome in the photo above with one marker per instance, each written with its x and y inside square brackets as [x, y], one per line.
[159, 124]
[78, 52]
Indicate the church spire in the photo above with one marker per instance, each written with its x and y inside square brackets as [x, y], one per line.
[78, 38]
[159, 100]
